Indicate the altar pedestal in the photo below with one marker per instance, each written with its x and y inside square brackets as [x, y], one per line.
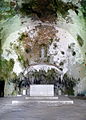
[42, 90]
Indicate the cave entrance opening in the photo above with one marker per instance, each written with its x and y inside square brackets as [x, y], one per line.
[2, 84]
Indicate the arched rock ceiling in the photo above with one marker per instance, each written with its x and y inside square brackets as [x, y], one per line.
[61, 46]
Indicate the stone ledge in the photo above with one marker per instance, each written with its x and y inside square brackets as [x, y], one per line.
[40, 98]
[53, 102]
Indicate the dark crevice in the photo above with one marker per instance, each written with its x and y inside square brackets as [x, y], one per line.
[2, 83]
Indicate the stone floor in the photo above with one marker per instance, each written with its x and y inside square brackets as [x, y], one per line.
[36, 111]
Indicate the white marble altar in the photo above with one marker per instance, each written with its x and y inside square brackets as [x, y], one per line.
[41, 90]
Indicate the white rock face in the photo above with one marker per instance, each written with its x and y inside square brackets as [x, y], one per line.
[63, 52]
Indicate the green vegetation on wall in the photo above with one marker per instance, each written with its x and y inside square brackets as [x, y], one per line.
[6, 68]
[20, 51]
[83, 7]
[6, 10]
[70, 83]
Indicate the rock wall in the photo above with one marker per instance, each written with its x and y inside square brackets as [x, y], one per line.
[63, 39]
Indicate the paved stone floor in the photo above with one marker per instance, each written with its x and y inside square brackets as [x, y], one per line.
[35, 111]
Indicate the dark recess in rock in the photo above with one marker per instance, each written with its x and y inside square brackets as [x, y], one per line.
[80, 40]
[61, 69]
[62, 52]
[43, 8]
[69, 47]
[27, 50]
[61, 63]
[55, 46]
[73, 53]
